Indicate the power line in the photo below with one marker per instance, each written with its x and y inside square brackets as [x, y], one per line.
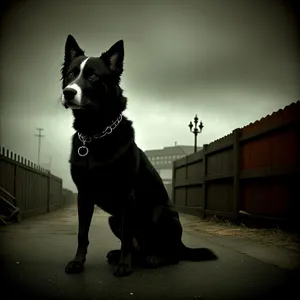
[39, 142]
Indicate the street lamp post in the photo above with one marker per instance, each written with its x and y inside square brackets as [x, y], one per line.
[195, 131]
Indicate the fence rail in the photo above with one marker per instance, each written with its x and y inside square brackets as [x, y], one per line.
[33, 189]
[251, 172]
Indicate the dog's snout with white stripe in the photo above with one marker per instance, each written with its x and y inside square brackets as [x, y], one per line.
[72, 93]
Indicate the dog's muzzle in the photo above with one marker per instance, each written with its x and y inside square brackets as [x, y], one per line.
[69, 98]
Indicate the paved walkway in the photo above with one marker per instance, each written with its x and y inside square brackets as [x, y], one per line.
[34, 254]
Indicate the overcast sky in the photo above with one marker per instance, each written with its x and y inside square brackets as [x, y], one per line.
[229, 61]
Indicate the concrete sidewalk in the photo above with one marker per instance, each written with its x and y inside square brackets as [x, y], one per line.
[34, 254]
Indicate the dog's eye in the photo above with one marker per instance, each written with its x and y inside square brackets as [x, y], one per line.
[70, 75]
[93, 77]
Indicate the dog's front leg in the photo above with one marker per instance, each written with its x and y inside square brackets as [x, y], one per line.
[85, 213]
[123, 268]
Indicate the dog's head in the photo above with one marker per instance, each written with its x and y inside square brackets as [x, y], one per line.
[91, 84]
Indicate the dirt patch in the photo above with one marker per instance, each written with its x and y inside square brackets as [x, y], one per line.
[225, 228]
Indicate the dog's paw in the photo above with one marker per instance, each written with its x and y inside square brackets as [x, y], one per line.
[113, 256]
[74, 266]
[122, 269]
[152, 261]
[156, 261]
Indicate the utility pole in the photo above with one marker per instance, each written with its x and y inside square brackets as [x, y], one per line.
[39, 142]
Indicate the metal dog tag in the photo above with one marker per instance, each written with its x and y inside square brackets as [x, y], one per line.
[83, 151]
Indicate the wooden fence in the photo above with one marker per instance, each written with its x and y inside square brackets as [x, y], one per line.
[249, 173]
[34, 190]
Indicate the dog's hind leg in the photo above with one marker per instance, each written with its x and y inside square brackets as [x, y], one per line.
[85, 214]
[165, 237]
[114, 256]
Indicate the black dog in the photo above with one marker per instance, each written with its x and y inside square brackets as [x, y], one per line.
[110, 171]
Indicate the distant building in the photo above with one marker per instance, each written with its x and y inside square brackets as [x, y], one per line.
[162, 159]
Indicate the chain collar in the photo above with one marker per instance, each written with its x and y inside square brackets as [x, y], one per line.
[83, 150]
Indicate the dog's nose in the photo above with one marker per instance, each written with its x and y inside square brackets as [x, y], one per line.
[69, 93]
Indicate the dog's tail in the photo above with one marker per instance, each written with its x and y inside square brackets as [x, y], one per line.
[196, 254]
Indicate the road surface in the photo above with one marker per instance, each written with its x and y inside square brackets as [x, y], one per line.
[34, 254]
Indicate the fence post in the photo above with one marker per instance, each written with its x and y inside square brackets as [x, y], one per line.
[185, 178]
[173, 183]
[15, 182]
[49, 193]
[296, 191]
[204, 180]
[236, 173]
[61, 195]
[64, 192]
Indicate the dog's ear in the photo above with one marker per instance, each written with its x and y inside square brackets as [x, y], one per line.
[72, 50]
[114, 58]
